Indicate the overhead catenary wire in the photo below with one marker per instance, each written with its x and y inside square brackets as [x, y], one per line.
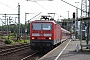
[74, 6]
[7, 6]
[13, 9]
[35, 16]
[42, 6]
[10, 7]
[21, 5]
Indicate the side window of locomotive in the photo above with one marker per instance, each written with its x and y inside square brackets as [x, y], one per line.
[36, 26]
[47, 26]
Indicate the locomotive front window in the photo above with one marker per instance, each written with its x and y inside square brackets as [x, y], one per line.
[46, 26]
[41, 26]
[36, 26]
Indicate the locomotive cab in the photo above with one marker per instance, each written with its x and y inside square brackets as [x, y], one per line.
[41, 35]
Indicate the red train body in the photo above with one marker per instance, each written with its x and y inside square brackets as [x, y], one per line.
[45, 34]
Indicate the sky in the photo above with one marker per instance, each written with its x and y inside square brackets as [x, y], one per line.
[33, 8]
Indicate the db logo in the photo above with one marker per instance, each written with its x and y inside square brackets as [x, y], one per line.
[41, 34]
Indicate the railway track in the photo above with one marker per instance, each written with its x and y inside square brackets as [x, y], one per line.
[28, 56]
[12, 51]
[20, 52]
[37, 55]
[34, 56]
[9, 50]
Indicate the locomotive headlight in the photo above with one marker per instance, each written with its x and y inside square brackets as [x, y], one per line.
[33, 38]
[50, 38]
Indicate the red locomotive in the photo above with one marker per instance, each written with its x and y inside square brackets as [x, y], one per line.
[45, 34]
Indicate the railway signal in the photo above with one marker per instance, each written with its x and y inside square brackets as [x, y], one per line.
[73, 17]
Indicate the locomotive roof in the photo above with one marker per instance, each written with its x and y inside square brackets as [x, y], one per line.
[44, 21]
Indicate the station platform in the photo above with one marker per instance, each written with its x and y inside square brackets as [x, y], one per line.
[67, 51]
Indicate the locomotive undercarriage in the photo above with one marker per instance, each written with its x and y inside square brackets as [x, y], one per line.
[41, 44]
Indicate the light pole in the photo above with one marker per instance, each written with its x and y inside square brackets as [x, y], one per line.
[25, 26]
[8, 27]
[6, 22]
[15, 31]
[76, 20]
[68, 13]
[30, 19]
[63, 21]
[2, 25]
[68, 19]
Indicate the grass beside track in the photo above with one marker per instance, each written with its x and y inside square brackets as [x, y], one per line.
[9, 40]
